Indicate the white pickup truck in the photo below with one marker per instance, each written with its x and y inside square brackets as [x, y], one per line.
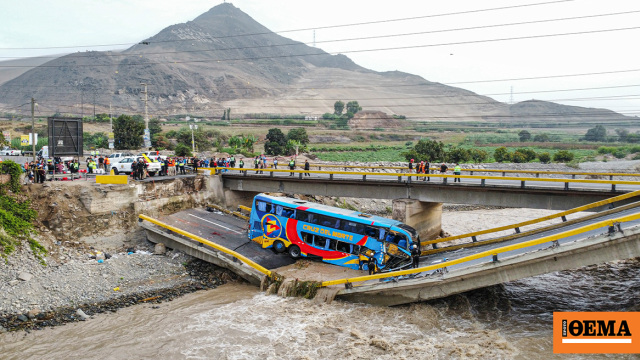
[124, 165]
[7, 151]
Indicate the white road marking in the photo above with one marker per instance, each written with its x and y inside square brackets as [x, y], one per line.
[216, 224]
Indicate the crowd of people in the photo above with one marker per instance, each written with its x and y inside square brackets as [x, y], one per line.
[424, 167]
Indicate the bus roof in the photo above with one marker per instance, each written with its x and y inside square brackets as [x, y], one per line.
[327, 210]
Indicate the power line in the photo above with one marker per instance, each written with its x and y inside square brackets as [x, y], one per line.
[307, 29]
[325, 54]
[296, 43]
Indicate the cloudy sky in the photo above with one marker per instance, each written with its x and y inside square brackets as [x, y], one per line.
[488, 46]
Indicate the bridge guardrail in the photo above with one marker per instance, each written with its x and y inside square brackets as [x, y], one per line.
[445, 177]
[489, 253]
[517, 226]
[204, 241]
[471, 171]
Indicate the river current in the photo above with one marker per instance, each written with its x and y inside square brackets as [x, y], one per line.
[236, 321]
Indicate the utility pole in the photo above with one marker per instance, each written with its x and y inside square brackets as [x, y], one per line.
[82, 104]
[33, 128]
[147, 134]
[193, 142]
[94, 105]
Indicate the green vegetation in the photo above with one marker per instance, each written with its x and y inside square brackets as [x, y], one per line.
[16, 215]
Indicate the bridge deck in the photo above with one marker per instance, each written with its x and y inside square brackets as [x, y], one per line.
[227, 231]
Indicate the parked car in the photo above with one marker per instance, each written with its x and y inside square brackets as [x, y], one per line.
[123, 165]
[7, 151]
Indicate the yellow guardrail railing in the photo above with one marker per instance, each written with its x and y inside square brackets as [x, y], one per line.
[487, 253]
[204, 241]
[541, 172]
[229, 212]
[244, 208]
[478, 177]
[534, 221]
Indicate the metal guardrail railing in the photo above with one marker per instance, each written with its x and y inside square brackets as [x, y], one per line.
[471, 171]
[489, 253]
[204, 241]
[482, 178]
[517, 226]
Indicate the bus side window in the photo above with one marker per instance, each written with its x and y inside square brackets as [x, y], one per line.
[279, 210]
[343, 247]
[301, 215]
[401, 241]
[325, 221]
[370, 231]
[320, 242]
[355, 249]
[307, 238]
[269, 208]
[382, 233]
[261, 205]
[348, 226]
[359, 229]
[333, 244]
[336, 225]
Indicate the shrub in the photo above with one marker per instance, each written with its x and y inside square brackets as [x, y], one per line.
[501, 154]
[478, 155]
[620, 153]
[182, 150]
[528, 154]
[518, 157]
[544, 157]
[563, 156]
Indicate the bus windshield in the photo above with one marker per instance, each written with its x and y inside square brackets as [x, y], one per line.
[333, 235]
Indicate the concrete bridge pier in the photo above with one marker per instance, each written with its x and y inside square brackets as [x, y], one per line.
[425, 217]
[227, 197]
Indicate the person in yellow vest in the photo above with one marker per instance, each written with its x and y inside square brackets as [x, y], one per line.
[456, 171]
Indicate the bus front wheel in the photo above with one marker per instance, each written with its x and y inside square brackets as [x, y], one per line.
[279, 247]
[294, 251]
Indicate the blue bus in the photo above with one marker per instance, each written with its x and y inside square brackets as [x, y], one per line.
[337, 236]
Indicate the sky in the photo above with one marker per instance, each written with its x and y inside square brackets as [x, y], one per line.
[461, 43]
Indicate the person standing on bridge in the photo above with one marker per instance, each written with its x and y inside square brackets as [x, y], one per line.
[411, 166]
[306, 168]
[443, 169]
[292, 165]
[457, 171]
[415, 256]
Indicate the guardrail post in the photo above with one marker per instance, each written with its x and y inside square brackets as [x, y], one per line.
[364, 177]
[613, 187]
[244, 173]
[573, 176]
[409, 179]
[482, 182]
[444, 180]
[399, 178]
[522, 184]
[495, 258]
[537, 175]
[330, 176]
[319, 168]
[610, 177]
[434, 245]
[470, 172]
[566, 186]
[503, 173]
[474, 239]
[517, 230]
[271, 173]
[564, 218]
[300, 176]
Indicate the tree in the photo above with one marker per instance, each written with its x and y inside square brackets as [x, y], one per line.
[235, 142]
[203, 139]
[275, 143]
[518, 157]
[524, 135]
[294, 147]
[154, 130]
[248, 142]
[127, 132]
[622, 134]
[338, 107]
[183, 150]
[563, 156]
[598, 133]
[501, 154]
[426, 149]
[458, 155]
[298, 134]
[478, 155]
[541, 138]
[353, 107]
